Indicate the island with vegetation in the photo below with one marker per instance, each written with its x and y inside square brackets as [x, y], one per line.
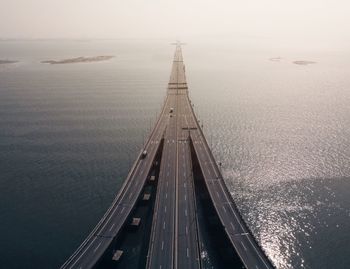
[79, 60]
[8, 62]
[304, 62]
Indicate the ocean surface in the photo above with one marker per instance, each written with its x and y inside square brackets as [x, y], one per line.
[70, 133]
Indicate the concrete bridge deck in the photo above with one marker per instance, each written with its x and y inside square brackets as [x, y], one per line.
[174, 240]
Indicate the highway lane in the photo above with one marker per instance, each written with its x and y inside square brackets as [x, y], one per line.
[99, 239]
[188, 253]
[187, 247]
[174, 241]
[161, 250]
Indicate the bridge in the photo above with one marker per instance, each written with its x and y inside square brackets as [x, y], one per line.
[174, 175]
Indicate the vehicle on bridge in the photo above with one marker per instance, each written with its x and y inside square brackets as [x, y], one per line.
[144, 154]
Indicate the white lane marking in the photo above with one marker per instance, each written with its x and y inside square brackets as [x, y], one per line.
[208, 171]
[186, 212]
[187, 253]
[130, 195]
[217, 193]
[244, 246]
[185, 197]
[186, 229]
[83, 252]
[185, 185]
[164, 225]
[165, 209]
[233, 227]
[97, 247]
[166, 196]
[112, 227]
[162, 245]
[224, 208]
[122, 210]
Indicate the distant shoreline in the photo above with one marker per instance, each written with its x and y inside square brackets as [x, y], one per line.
[79, 60]
[8, 62]
[304, 62]
[299, 62]
[276, 59]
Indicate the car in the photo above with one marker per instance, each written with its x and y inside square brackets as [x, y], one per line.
[117, 255]
[171, 110]
[144, 154]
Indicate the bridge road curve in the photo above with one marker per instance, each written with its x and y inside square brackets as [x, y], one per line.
[240, 236]
[93, 247]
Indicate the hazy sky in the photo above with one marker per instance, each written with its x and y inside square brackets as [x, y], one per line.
[309, 19]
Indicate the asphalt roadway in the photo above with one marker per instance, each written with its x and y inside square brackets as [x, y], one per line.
[174, 235]
[176, 152]
[174, 241]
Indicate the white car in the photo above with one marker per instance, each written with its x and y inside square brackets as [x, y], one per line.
[144, 154]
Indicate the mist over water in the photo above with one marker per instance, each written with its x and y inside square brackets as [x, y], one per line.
[70, 133]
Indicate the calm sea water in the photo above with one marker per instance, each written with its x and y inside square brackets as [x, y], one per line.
[69, 134]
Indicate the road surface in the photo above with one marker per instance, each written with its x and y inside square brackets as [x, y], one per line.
[174, 234]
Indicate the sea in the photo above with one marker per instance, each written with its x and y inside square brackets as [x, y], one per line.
[70, 133]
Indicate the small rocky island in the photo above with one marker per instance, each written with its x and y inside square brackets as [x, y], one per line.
[304, 62]
[276, 59]
[7, 62]
[79, 60]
